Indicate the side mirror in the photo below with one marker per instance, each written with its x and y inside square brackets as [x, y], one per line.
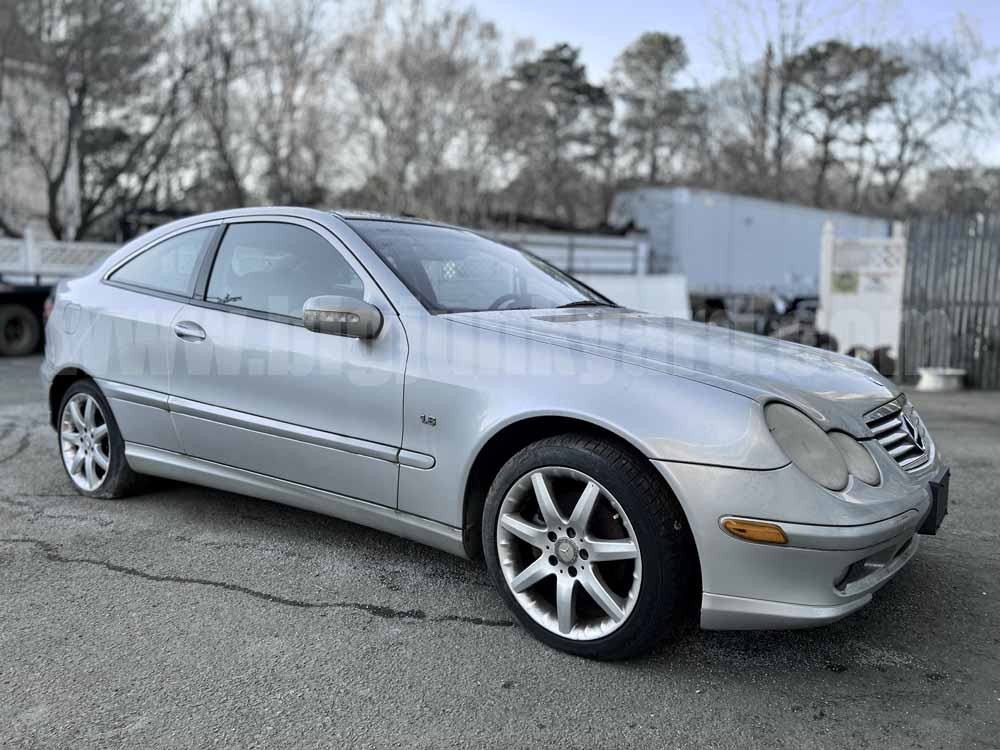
[342, 316]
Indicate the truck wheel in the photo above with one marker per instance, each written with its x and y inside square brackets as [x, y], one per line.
[20, 331]
[588, 547]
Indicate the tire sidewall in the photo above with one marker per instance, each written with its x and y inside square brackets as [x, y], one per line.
[653, 594]
[32, 336]
[117, 466]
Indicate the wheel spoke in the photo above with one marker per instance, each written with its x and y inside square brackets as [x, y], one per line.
[77, 461]
[531, 575]
[90, 471]
[100, 431]
[73, 438]
[526, 532]
[584, 508]
[101, 459]
[606, 550]
[545, 502]
[566, 603]
[76, 416]
[88, 412]
[606, 599]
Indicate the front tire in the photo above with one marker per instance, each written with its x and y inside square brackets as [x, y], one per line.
[588, 547]
[91, 445]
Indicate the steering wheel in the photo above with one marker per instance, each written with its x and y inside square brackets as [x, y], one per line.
[506, 299]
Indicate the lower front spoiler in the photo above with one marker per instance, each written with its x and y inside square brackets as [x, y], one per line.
[721, 612]
[725, 612]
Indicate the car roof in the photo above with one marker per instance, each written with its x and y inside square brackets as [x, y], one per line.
[361, 215]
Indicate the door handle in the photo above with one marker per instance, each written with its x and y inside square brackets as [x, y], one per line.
[189, 331]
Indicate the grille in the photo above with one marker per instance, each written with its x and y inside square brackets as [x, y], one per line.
[899, 429]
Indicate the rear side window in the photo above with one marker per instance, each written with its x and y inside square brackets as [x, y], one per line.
[170, 266]
[274, 268]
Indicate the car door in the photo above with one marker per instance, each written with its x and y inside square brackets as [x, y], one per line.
[129, 346]
[254, 389]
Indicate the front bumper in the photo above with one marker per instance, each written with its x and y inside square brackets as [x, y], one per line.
[842, 546]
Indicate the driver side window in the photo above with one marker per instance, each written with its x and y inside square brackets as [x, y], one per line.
[274, 268]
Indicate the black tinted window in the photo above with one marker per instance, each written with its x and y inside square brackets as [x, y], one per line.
[170, 266]
[275, 268]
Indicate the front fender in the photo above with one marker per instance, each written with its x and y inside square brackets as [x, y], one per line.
[465, 384]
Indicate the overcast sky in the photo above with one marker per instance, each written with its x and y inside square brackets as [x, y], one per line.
[603, 27]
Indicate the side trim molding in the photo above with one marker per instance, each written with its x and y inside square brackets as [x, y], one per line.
[161, 463]
[142, 396]
[221, 415]
[282, 429]
[416, 460]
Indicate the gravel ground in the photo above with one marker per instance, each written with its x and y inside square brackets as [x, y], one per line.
[188, 617]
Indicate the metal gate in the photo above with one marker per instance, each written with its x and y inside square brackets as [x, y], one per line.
[951, 298]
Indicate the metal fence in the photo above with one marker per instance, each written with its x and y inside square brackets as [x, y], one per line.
[582, 253]
[951, 298]
[37, 260]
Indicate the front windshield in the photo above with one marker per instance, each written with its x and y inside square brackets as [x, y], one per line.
[451, 270]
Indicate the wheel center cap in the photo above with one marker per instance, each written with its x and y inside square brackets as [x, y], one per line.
[565, 551]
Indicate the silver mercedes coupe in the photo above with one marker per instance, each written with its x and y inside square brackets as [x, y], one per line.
[617, 470]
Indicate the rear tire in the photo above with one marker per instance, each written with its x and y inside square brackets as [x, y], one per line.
[88, 436]
[546, 563]
[20, 331]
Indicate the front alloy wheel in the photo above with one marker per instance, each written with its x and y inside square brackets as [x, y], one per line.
[589, 547]
[576, 572]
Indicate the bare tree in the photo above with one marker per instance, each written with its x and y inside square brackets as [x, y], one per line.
[836, 87]
[420, 81]
[755, 42]
[937, 103]
[10, 35]
[960, 190]
[112, 118]
[223, 44]
[294, 126]
[412, 106]
[267, 127]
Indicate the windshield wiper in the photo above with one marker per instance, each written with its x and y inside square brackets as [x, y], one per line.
[587, 303]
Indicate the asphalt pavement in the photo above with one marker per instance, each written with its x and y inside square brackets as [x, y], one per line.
[189, 617]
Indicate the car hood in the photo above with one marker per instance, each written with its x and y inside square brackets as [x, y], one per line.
[833, 389]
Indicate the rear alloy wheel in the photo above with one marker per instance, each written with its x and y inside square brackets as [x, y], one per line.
[83, 436]
[92, 448]
[588, 546]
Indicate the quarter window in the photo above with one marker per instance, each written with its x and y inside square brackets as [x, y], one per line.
[169, 266]
[274, 268]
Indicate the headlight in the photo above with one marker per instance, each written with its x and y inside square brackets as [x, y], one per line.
[859, 461]
[807, 446]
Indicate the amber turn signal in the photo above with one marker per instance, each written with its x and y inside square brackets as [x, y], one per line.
[755, 531]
